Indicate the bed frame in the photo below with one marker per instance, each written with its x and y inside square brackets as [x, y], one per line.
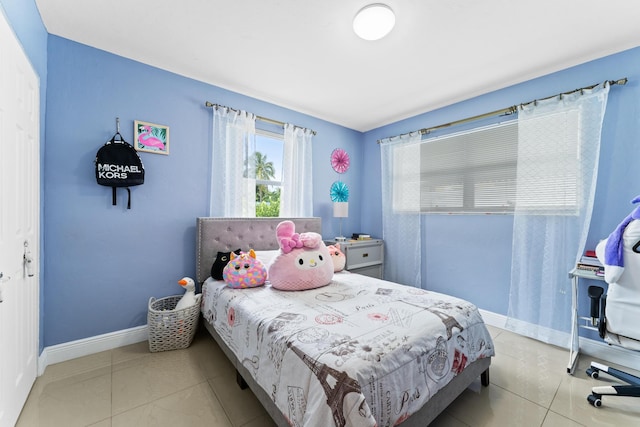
[215, 235]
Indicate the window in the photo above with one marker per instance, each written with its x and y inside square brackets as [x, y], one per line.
[476, 171]
[552, 147]
[268, 172]
[470, 172]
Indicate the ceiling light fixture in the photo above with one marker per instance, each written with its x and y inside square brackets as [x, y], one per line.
[374, 21]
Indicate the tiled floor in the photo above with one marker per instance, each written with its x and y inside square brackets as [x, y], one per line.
[129, 386]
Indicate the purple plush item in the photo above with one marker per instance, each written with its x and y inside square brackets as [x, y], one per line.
[613, 258]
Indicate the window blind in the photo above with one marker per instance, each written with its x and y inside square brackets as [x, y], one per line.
[470, 172]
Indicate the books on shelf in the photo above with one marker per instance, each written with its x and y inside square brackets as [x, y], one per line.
[598, 271]
[588, 273]
[360, 236]
[589, 267]
[590, 263]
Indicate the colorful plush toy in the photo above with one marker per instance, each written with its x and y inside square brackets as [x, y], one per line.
[339, 260]
[244, 271]
[304, 261]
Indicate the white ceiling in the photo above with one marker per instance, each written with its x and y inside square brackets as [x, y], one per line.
[303, 54]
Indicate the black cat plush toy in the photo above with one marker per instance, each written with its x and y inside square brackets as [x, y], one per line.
[221, 261]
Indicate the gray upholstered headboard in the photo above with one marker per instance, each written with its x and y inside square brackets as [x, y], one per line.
[215, 235]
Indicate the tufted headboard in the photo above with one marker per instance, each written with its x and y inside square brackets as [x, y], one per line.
[215, 235]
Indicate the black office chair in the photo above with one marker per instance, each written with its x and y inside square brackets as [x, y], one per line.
[618, 312]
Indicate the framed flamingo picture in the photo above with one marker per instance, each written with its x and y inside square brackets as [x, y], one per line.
[150, 137]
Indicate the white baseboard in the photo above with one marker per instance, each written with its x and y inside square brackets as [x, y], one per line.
[588, 347]
[493, 319]
[84, 347]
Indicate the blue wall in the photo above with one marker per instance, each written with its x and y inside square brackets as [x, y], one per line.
[103, 262]
[470, 256]
[24, 18]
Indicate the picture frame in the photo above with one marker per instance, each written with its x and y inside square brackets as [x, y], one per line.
[151, 137]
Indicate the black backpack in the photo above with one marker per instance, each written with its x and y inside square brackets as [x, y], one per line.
[118, 165]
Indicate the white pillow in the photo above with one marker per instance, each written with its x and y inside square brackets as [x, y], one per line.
[267, 257]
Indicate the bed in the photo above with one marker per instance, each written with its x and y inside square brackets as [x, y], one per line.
[358, 352]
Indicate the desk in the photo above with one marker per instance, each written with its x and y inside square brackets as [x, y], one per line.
[575, 275]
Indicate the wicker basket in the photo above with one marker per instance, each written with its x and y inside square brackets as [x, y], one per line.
[171, 329]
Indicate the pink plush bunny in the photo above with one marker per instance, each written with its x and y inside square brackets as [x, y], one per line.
[304, 261]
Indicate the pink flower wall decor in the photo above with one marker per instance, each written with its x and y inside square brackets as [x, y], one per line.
[340, 160]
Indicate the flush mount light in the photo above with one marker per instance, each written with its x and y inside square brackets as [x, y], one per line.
[373, 22]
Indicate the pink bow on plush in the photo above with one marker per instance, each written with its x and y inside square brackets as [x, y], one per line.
[288, 239]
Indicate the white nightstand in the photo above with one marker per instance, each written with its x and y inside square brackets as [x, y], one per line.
[363, 256]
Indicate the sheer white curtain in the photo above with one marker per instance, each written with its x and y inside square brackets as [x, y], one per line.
[233, 183]
[296, 197]
[400, 157]
[558, 151]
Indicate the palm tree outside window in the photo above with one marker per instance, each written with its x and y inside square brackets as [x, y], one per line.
[267, 162]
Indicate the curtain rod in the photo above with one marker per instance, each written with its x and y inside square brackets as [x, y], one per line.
[262, 119]
[509, 110]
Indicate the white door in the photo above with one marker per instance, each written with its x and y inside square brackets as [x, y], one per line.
[19, 224]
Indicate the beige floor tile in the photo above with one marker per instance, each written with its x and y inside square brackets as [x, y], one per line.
[194, 407]
[144, 379]
[75, 401]
[530, 350]
[494, 331]
[48, 378]
[130, 352]
[585, 361]
[72, 368]
[240, 405]
[495, 406]
[129, 386]
[103, 423]
[537, 381]
[260, 421]
[446, 420]
[555, 420]
[571, 401]
[208, 356]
